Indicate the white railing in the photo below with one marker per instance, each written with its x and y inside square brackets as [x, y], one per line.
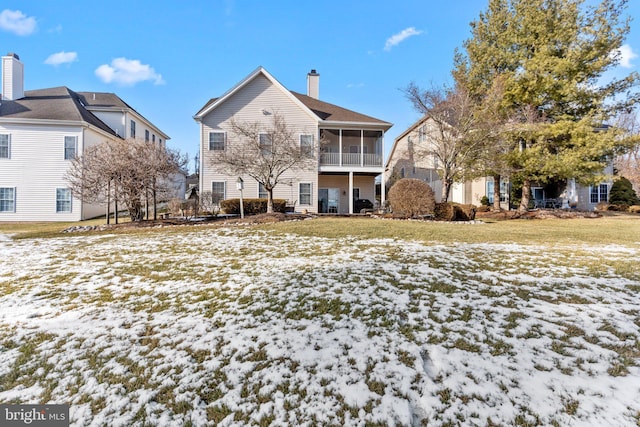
[350, 159]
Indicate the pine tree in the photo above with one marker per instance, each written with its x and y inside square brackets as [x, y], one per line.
[548, 57]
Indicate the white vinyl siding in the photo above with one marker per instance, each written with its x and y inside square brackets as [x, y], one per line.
[216, 141]
[70, 147]
[7, 199]
[304, 194]
[5, 146]
[246, 106]
[63, 200]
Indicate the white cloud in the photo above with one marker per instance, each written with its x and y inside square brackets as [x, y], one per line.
[61, 58]
[128, 72]
[626, 56]
[396, 39]
[14, 21]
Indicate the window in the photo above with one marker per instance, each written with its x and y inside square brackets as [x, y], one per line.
[402, 173]
[69, 147]
[153, 138]
[306, 145]
[599, 193]
[422, 133]
[356, 193]
[304, 191]
[5, 147]
[218, 191]
[266, 144]
[7, 199]
[262, 192]
[146, 135]
[504, 188]
[63, 200]
[216, 141]
[133, 129]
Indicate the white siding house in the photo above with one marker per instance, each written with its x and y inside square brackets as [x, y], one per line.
[40, 132]
[408, 160]
[348, 159]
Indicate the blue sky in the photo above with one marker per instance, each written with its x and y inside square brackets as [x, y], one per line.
[167, 58]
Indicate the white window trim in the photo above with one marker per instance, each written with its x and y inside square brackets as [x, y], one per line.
[224, 140]
[70, 201]
[14, 201]
[310, 194]
[311, 153]
[75, 146]
[8, 147]
[224, 192]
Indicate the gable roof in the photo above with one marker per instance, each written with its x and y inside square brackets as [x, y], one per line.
[318, 110]
[58, 104]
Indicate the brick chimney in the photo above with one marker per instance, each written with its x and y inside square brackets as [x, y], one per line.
[12, 77]
[313, 84]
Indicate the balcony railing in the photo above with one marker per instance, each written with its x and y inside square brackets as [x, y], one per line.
[350, 159]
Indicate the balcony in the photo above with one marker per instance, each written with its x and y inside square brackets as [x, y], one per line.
[351, 148]
[350, 159]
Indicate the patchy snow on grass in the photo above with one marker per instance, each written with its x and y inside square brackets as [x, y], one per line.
[239, 327]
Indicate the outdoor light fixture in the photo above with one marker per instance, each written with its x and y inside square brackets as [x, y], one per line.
[240, 187]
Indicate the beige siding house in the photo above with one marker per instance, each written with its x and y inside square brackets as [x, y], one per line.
[41, 131]
[349, 145]
[407, 159]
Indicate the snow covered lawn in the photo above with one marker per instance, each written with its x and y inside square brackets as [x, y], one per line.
[240, 326]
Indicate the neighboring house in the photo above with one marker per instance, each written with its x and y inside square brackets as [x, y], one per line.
[407, 159]
[41, 131]
[350, 145]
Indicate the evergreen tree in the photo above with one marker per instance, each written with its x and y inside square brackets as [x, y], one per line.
[622, 193]
[548, 57]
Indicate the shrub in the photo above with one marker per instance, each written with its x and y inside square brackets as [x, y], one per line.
[483, 208]
[484, 201]
[251, 206]
[412, 198]
[465, 212]
[602, 206]
[634, 209]
[622, 193]
[445, 211]
[618, 207]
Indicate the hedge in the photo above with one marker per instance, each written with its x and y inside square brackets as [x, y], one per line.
[454, 212]
[251, 206]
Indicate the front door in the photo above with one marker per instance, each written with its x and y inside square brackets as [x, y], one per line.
[328, 200]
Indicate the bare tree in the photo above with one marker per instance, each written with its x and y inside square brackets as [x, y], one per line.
[628, 164]
[453, 139]
[264, 152]
[125, 170]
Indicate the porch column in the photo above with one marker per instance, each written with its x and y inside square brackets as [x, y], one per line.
[340, 146]
[383, 183]
[383, 190]
[361, 147]
[351, 192]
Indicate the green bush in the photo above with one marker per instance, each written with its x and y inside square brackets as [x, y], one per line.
[251, 206]
[484, 201]
[411, 198]
[622, 193]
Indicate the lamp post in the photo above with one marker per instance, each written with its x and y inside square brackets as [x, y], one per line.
[240, 186]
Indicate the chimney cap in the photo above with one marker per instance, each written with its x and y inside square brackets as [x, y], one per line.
[313, 72]
[15, 55]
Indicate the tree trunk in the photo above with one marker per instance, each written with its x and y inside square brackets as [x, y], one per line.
[269, 200]
[446, 189]
[526, 193]
[108, 202]
[496, 192]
